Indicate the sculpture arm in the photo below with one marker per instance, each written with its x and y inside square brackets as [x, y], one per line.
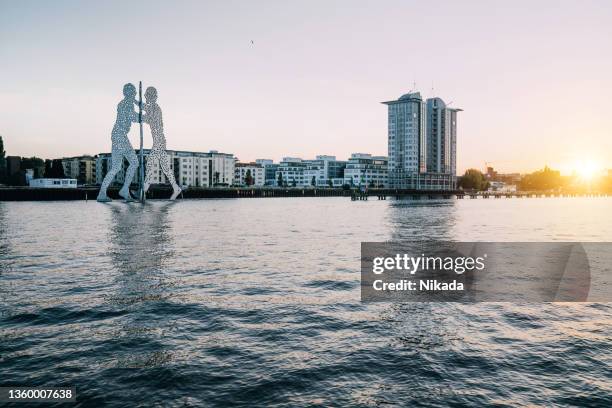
[135, 112]
[145, 118]
[134, 116]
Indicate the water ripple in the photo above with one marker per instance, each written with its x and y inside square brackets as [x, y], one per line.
[234, 302]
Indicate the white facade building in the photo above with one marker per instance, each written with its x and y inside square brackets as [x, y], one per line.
[291, 169]
[422, 140]
[325, 171]
[269, 170]
[191, 169]
[314, 174]
[441, 137]
[201, 169]
[365, 170]
[53, 183]
[256, 171]
[501, 187]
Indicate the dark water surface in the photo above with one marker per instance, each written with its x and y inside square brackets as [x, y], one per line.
[256, 302]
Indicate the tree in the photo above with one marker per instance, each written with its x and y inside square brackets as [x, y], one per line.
[546, 179]
[216, 179]
[371, 185]
[35, 163]
[280, 179]
[313, 181]
[3, 169]
[17, 179]
[293, 182]
[607, 183]
[48, 172]
[473, 179]
[248, 178]
[329, 183]
[57, 169]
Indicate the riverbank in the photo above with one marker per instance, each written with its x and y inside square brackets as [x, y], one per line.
[162, 192]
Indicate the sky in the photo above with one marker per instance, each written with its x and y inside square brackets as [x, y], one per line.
[269, 79]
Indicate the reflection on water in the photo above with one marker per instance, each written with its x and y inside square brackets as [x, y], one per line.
[4, 261]
[256, 302]
[421, 219]
[141, 247]
[4, 242]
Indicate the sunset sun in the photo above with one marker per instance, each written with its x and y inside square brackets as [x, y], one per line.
[587, 169]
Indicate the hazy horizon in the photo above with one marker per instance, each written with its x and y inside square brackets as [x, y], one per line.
[533, 79]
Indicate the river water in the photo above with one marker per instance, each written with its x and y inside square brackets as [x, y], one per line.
[256, 302]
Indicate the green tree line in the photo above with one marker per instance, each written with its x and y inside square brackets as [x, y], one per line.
[473, 179]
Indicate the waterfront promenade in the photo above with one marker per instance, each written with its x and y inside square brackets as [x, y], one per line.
[162, 192]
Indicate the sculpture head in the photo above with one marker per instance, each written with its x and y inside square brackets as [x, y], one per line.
[129, 91]
[151, 94]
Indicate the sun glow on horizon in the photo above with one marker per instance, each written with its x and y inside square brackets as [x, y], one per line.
[587, 170]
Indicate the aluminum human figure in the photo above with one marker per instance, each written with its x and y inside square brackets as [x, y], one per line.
[121, 146]
[153, 116]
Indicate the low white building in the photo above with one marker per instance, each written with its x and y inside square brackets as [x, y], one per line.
[314, 174]
[257, 172]
[366, 170]
[337, 182]
[269, 171]
[53, 183]
[324, 171]
[191, 169]
[291, 172]
[501, 187]
[29, 176]
[201, 169]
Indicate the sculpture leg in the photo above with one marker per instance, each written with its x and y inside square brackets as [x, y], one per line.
[153, 157]
[116, 161]
[164, 162]
[132, 159]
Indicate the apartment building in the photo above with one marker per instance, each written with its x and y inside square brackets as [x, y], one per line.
[190, 169]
